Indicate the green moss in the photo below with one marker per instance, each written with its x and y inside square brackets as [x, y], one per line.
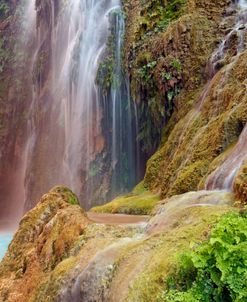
[137, 204]
[157, 15]
[66, 194]
[139, 188]
[187, 179]
[106, 75]
[50, 286]
[198, 143]
[240, 184]
[161, 252]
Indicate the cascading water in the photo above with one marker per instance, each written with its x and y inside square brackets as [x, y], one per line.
[243, 4]
[237, 32]
[14, 156]
[223, 176]
[118, 103]
[71, 118]
[225, 55]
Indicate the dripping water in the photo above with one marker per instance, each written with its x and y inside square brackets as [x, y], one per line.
[215, 62]
[237, 32]
[223, 176]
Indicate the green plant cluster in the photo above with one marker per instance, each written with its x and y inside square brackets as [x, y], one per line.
[151, 113]
[66, 194]
[146, 72]
[106, 76]
[217, 269]
[157, 15]
[159, 85]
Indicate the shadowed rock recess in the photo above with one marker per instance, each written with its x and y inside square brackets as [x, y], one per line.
[184, 68]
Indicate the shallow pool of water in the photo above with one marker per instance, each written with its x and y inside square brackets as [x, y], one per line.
[5, 240]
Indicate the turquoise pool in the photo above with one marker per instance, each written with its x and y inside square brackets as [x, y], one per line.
[5, 240]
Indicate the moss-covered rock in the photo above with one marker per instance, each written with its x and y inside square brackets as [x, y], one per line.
[196, 144]
[163, 40]
[240, 184]
[192, 118]
[43, 241]
[66, 194]
[58, 255]
[135, 204]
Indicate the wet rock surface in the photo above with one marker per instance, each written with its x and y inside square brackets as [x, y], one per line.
[58, 254]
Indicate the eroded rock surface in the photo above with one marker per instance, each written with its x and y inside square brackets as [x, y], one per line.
[58, 254]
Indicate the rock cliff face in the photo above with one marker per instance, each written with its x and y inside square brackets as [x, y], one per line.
[186, 63]
[185, 78]
[164, 39]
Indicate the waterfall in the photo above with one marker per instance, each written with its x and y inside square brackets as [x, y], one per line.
[239, 30]
[243, 4]
[78, 135]
[123, 131]
[223, 176]
[14, 155]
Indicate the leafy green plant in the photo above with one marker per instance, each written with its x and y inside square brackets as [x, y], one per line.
[145, 72]
[170, 95]
[166, 76]
[160, 14]
[107, 77]
[217, 269]
[176, 64]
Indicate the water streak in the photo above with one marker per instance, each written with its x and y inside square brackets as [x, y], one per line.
[68, 122]
[237, 32]
[223, 176]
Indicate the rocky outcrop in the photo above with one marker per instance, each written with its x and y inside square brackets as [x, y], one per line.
[162, 46]
[193, 113]
[58, 254]
[46, 236]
